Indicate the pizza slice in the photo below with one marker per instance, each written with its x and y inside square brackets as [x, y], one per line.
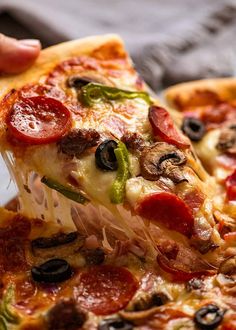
[209, 118]
[89, 148]
[53, 278]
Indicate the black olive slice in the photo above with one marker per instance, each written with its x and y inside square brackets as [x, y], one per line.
[52, 271]
[114, 324]
[105, 156]
[202, 319]
[56, 240]
[193, 128]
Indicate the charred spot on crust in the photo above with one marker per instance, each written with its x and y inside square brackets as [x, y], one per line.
[77, 141]
[133, 141]
[65, 315]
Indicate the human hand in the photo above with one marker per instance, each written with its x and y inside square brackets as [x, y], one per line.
[17, 55]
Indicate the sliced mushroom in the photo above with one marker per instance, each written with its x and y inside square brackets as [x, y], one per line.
[162, 159]
[227, 140]
[79, 80]
[146, 301]
[228, 267]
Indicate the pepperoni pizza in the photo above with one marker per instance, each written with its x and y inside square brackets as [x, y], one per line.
[119, 226]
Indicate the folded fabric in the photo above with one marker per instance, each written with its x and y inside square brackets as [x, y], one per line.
[170, 41]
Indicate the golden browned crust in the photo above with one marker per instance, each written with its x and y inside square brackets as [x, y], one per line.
[105, 47]
[181, 95]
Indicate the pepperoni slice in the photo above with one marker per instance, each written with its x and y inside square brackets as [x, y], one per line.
[169, 210]
[180, 272]
[163, 127]
[230, 184]
[105, 289]
[38, 120]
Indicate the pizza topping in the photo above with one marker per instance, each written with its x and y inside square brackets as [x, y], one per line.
[77, 141]
[105, 289]
[162, 159]
[179, 271]
[105, 155]
[227, 140]
[38, 120]
[65, 315]
[55, 240]
[215, 116]
[12, 245]
[154, 318]
[147, 301]
[228, 266]
[117, 191]
[209, 317]
[113, 324]
[230, 184]
[83, 79]
[52, 271]
[163, 127]
[96, 93]
[78, 81]
[198, 98]
[93, 256]
[169, 210]
[194, 284]
[7, 313]
[133, 141]
[65, 191]
[193, 128]
[180, 262]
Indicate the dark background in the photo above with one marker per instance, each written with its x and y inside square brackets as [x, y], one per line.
[170, 41]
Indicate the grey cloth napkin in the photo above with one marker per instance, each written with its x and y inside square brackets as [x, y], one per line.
[170, 41]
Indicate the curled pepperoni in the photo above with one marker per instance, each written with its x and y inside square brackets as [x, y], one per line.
[230, 184]
[180, 272]
[105, 289]
[164, 129]
[181, 262]
[38, 120]
[169, 210]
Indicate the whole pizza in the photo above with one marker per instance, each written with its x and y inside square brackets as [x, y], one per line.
[127, 204]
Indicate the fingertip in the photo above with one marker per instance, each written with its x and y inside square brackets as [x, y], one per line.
[17, 56]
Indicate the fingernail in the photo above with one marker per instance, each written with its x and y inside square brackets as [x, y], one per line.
[30, 42]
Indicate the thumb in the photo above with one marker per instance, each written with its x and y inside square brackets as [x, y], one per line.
[17, 55]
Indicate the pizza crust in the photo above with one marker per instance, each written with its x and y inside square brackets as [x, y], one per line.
[53, 55]
[225, 88]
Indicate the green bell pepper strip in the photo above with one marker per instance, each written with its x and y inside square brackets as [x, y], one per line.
[95, 93]
[7, 315]
[117, 191]
[65, 191]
